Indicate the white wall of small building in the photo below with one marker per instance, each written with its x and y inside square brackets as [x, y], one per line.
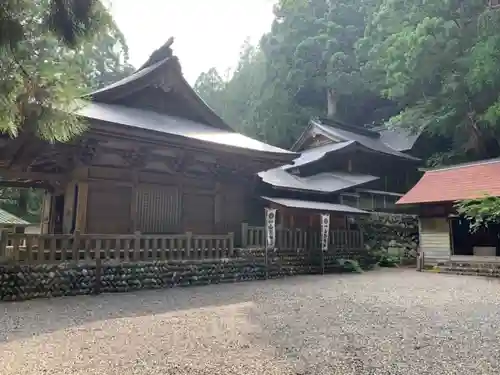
[435, 239]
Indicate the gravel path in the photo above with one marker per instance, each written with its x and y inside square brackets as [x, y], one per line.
[384, 322]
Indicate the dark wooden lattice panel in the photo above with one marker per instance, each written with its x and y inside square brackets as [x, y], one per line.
[158, 209]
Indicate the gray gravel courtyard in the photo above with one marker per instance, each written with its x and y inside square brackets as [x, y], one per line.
[382, 322]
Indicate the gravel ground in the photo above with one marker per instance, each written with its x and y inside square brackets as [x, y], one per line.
[384, 322]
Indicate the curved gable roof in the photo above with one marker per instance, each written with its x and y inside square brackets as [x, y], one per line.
[161, 70]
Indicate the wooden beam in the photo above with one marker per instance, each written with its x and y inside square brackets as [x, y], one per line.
[26, 184]
[36, 176]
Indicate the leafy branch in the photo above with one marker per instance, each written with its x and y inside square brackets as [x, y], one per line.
[480, 212]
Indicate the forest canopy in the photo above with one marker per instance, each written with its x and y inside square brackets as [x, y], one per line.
[426, 66]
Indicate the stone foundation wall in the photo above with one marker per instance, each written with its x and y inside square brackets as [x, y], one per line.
[394, 234]
[23, 282]
[26, 282]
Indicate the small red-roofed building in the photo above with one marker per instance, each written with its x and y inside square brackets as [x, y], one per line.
[445, 237]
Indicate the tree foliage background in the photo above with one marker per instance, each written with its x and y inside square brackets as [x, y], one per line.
[426, 66]
[52, 51]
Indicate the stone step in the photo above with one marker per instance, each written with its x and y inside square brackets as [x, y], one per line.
[470, 272]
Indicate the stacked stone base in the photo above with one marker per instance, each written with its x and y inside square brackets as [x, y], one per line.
[27, 282]
[467, 269]
[23, 282]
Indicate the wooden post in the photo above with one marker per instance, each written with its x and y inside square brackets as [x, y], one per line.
[98, 273]
[75, 246]
[244, 235]
[69, 207]
[231, 245]
[46, 212]
[3, 244]
[322, 261]
[189, 244]
[266, 261]
[218, 203]
[134, 200]
[137, 246]
[81, 207]
[420, 262]
[29, 249]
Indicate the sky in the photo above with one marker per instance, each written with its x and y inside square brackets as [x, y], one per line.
[208, 33]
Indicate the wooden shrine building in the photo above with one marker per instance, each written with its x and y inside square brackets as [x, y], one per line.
[350, 169]
[446, 236]
[155, 159]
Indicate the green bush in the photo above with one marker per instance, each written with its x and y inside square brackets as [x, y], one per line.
[349, 265]
[387, 260]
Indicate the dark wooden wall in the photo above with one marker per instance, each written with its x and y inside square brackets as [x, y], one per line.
[173, 206]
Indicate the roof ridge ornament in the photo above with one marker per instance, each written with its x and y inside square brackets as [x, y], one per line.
[162, 53]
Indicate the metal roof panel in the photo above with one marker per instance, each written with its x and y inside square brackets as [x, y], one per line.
[316, 206]
[162, 123]
[6, 218]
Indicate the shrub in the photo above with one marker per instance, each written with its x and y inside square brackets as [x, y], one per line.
[387, 260]
[349, 265]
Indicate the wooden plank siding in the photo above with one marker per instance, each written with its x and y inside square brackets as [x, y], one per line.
[435, 238]
[198, 211]
[108, 209]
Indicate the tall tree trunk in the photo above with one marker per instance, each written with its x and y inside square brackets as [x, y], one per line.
[331, 100]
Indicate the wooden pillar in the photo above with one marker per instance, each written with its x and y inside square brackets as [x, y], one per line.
[80, 179]
[69, 207]
[81, 206]
[134, 201]
[218, 206]
[46, 212]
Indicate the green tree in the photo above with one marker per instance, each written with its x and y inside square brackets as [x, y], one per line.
[305, 66]
[40, 74]
[439, 61]
[312, 49]
[248, 102]
[480, 212]
[69, 20]
[211, 87]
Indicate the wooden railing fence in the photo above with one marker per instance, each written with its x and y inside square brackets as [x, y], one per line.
[255, 237]
[56, 248]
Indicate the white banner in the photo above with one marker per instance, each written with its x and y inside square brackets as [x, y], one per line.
[270, 227]
[325, 231]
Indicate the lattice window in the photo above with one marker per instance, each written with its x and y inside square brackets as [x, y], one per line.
[158, 209]
[494, 3]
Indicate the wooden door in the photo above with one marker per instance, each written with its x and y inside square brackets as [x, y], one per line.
[199, 212]
[108, 210]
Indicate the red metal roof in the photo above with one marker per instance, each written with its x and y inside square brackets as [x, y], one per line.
[460, 182]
